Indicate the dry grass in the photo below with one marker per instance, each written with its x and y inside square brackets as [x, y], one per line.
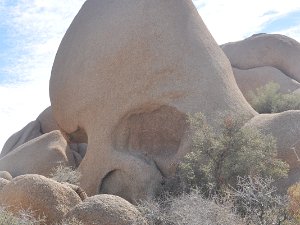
[24, 217]
[66, 174]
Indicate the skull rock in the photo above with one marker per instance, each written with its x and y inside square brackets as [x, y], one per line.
[124, 78]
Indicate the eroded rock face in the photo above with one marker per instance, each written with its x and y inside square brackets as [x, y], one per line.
[106, 210]
[42, 195]
[39, 156]
[125, 76]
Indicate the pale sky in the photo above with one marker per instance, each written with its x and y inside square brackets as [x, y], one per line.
[31, 30]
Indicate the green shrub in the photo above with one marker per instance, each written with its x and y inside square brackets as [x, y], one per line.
[268, 99]
[218, 158]
[65, 174]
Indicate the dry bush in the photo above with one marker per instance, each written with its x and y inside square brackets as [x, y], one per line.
[188, 209]
[155, 212]
[257, 200]
[294, 201]
[66, 174]
[192, 209]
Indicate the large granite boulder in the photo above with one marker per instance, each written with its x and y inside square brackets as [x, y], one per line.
[285, 127]
[275, 50]
[106, 210]
[265, 58]
[124, 78]
[43, 196]
[40, 155]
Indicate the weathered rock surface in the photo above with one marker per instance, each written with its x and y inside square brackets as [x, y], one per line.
[275, 50]
[42, 195]
[78, 150]
[3, 182]
[106, 210]
[5, 175]
[47, 121]
[80, 192]
[251, 79]
[285, 127]
[125, 76]
[40, 155]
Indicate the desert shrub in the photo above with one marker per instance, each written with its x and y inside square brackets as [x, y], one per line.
[65, 174]
[188, 209]
[257, 200]
[218, 158]
[294, 201]
[24, 217]
[268, 99]
[155, 212]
